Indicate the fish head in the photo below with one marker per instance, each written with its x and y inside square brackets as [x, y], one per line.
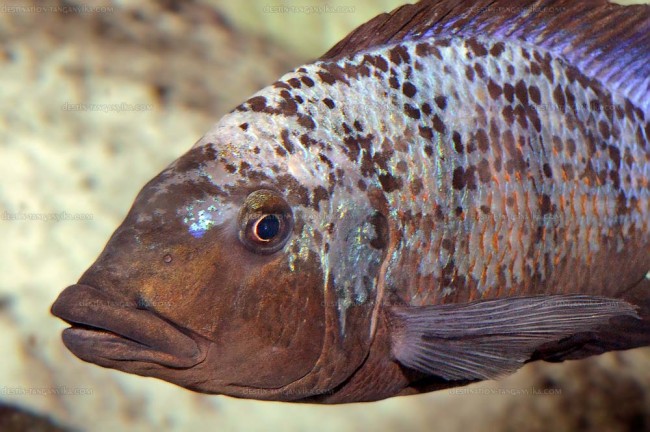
[229, 276]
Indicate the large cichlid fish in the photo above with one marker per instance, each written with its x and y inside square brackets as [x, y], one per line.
[455, 189]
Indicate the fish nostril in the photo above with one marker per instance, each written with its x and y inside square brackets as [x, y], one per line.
[141, 303]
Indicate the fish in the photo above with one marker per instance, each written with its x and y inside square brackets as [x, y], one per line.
[452, 191]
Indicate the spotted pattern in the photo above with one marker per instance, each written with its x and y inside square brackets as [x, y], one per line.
[500, 169]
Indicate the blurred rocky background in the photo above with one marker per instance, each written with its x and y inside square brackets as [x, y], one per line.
[165, 71]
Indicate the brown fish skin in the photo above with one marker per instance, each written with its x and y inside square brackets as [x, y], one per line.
[230, 321]
[453, 202]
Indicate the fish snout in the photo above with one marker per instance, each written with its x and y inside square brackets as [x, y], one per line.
[104, 327]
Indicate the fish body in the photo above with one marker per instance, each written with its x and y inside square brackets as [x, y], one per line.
[452, 191]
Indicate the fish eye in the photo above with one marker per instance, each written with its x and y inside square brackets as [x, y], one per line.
[265, 221]
[266, 227]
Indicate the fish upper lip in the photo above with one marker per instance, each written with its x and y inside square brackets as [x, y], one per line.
[103, 327]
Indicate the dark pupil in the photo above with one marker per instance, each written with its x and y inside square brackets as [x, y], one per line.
[268, 227]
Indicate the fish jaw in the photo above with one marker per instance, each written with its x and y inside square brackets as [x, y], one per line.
[106, 329]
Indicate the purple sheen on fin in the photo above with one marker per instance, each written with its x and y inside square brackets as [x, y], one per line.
[489, 339]
[605, 41]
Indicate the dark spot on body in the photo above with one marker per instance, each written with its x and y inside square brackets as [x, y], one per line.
[425, 49]
[355, 144]
[614, 155]
[603, 128]
[458, 144]
[568, 172]
[357, 126]
[307, 81]
[497, 49]
[482, 140]
[509, 92]
[326, 77]
[545, 204]
[398, 55]
[412, 111]
[287, 106]
[257, 103]
[295, 190]
[393, 82]
[244, 166]
[479, 70]
[380, 62]
[476, 47]
[426, 108]
[307, 141]
[389, 183]
[319, 194]
[494, 90]
[508, 114]
[615, 178]
[416, 186]
[570, 99]
[306, 121]
[361, 185]
[243, 126]
[558, 97]
[438, 124]
[520, 113]
[441, 101]
[571, 147]
[471, 146]
[381, 159]
[408, 89]
[498, 164]
[458, 179]
[546, 168]
[380, 223]
[622, 208]
[535, 94]
[469, 73]
[426, 132]
[295, 83]
[281, 85]
[594, 105]
[533, 116]
[535, 68]
[483, 170]
[285, 136]
[326, 160]
[329, 102]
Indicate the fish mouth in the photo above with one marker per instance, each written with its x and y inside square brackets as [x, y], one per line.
[104, 330]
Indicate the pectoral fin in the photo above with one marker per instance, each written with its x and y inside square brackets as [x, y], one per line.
[488, 339]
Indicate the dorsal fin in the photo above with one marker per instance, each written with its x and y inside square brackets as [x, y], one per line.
[605, 41]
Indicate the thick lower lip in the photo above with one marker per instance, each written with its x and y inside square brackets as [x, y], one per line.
[104, 328]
